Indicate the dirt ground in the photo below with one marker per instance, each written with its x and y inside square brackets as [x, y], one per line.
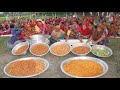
[54, 70]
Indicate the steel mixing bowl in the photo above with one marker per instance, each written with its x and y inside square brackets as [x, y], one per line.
[101, 62]
[80, 44]
[102, 47]
[59, 43]
[18, 46]
[27, 58]
[37, 44]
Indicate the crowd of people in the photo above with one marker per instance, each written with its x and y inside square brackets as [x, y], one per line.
[97, 29]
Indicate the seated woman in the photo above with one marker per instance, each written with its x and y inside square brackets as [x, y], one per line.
[47, 28]
[57, 34]
[15, 39]
[6, 31]
[66, 24]
[39, 27]
[112, 30]
[98, 36]
[91, 19]
[91, 26]
[104, 27]
[62, 26]
[32, 23]
[85, 31]
[73, 34]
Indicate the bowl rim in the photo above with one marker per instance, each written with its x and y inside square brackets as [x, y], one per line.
[37, 35]
[78, 57]
[18, 45]
[81, 44]
[111, 52]
[56, 43]
[48, 36]
[36, 44]
[42, 35]
[69, 40]
[27, 58]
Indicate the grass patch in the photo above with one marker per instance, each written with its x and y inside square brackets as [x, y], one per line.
[3, 45]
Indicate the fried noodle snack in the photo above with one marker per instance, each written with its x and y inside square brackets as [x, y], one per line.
[39, 49]
[60, 49]
[83, 68]
[21, 49]
[81, 50]
[25, 67]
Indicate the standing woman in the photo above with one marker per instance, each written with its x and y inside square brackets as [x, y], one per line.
[99, 36]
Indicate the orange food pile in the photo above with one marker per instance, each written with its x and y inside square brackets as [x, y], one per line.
[25, 67]
[21, 49]
[81, 50]
[39, 49]
[60, 49]
[83, 68]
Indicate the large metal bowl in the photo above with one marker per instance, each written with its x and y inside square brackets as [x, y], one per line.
[58, 43]
[18, 46]
[39, 41]
[102, 63]
[37, 37]
[102, 47]
[80, 44]
[27, 58]
[37, 44]
[47, 36]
